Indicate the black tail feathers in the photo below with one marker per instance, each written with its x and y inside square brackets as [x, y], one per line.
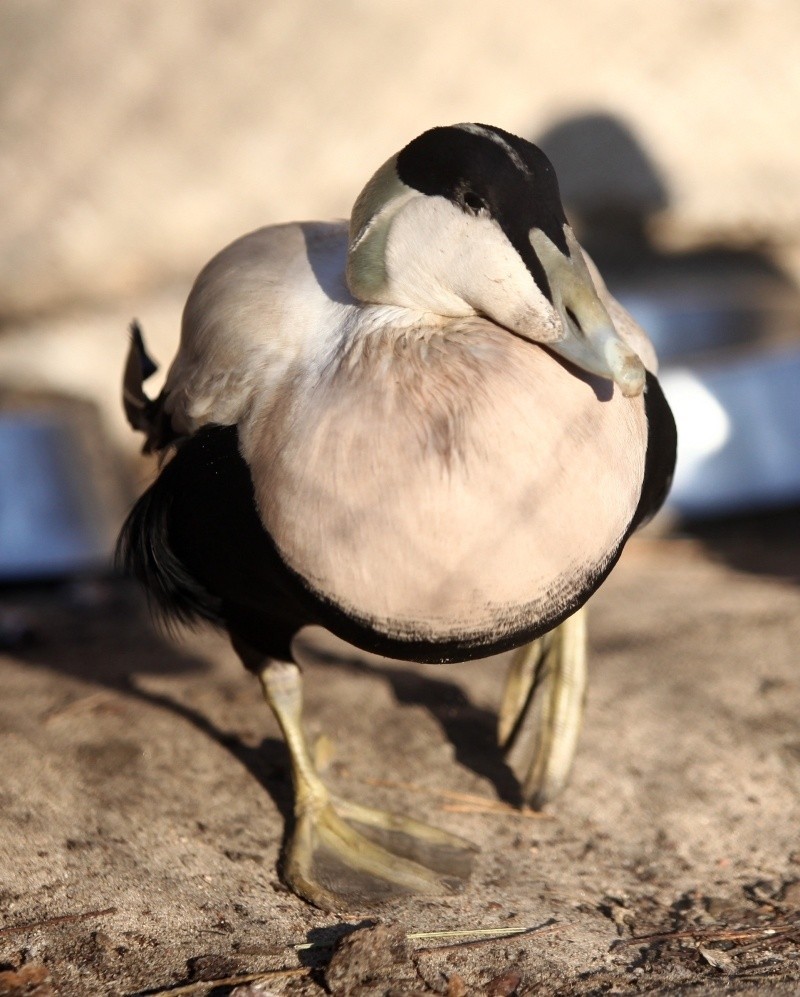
[145, 552]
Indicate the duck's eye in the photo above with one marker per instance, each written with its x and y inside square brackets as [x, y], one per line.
[472, 202]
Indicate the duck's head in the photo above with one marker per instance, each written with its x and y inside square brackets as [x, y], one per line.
[467, 220]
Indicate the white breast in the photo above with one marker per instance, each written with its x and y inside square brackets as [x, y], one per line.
[445, 484]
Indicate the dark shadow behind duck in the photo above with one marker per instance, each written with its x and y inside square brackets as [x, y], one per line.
[716, 305]
[723, 294]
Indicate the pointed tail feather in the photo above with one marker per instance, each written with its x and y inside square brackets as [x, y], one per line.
[144, 414]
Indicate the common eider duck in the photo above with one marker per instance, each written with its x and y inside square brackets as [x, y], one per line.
[431, 432]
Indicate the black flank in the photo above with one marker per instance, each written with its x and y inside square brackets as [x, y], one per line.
[662, 450]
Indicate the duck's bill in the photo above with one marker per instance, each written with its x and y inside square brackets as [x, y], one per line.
[596, 347]
[589, 338]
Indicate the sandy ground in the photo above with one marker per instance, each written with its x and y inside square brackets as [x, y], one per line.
[143, 792]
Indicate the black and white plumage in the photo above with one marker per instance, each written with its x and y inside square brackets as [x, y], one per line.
[431, 433]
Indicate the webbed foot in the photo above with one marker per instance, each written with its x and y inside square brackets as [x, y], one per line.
[341, 854]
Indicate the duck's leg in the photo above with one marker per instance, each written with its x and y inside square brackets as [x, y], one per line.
[542, 709]
[340, 853]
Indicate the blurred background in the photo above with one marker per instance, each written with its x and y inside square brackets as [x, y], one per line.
[136, 139]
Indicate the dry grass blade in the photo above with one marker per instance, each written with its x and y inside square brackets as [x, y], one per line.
[496, 935]
[89, 702]
[496, 810]
[473, 934]
[48, 922]
[462, 802]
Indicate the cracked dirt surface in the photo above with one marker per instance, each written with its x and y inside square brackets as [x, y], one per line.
[143, 793]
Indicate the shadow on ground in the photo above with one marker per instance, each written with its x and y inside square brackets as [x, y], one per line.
[765, 543]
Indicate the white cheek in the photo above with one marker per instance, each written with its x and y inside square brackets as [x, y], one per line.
[503, 288]
[425, 259]
[440, 259]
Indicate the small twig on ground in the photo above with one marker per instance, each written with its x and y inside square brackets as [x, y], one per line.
[766, 933]
[776, 977]
[198, 986]
[48, 922]
[785, 934]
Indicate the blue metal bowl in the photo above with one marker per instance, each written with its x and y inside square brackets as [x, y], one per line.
[50, 521]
